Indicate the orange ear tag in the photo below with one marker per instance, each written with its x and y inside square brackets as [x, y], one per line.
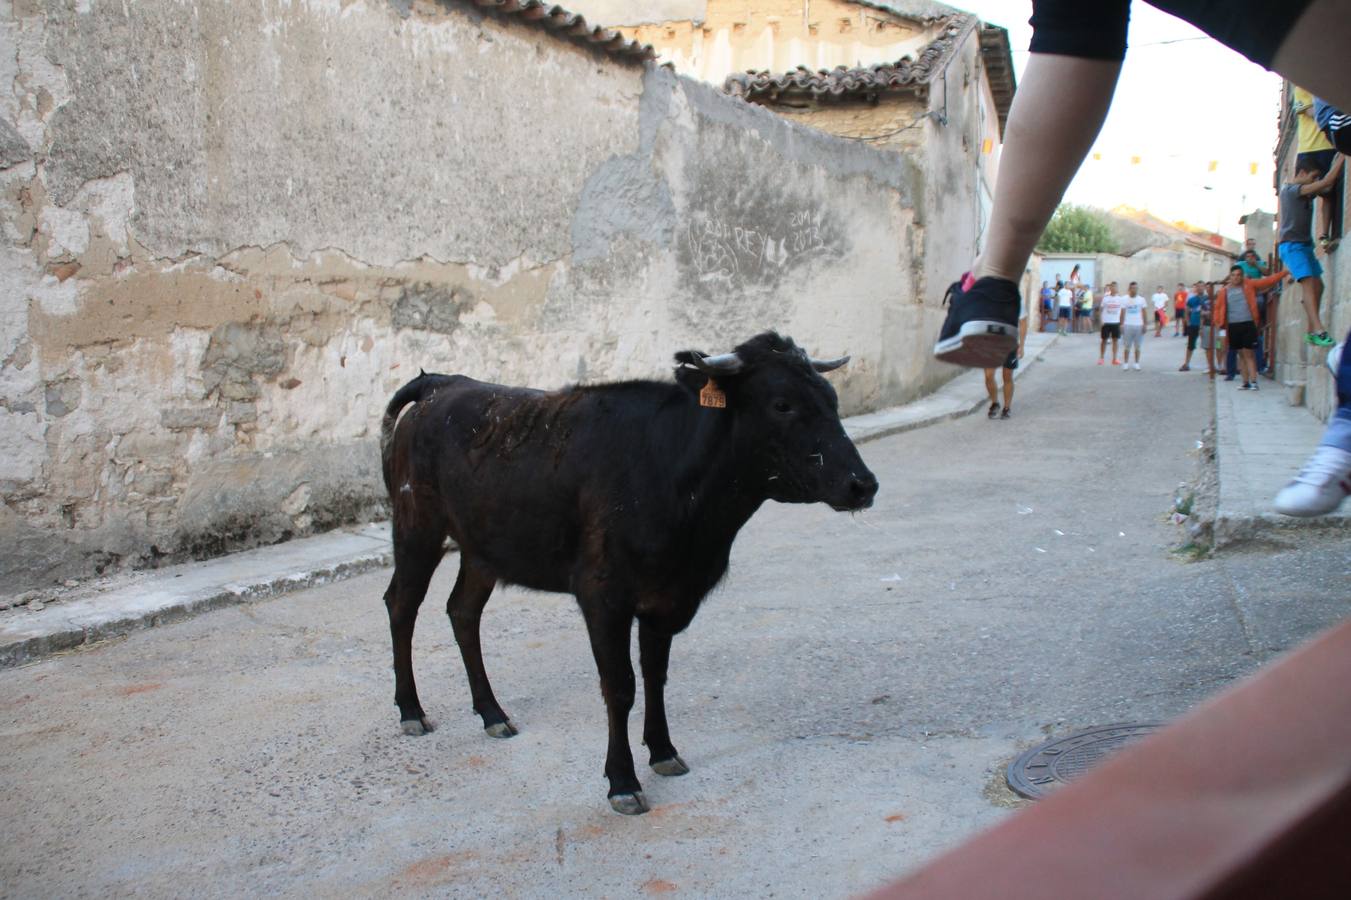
[712, 397]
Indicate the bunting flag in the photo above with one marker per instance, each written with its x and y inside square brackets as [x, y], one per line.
[1214, 164]
[986, 146]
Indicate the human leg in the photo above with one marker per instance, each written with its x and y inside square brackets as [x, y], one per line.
[991, 391]
[1313, 51]
[1325, 480]
[1062, 100]
[1311, 295]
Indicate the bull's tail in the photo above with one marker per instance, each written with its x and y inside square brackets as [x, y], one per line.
[418, 389]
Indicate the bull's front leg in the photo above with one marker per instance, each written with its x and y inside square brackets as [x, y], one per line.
[655, 653]
[609, 631]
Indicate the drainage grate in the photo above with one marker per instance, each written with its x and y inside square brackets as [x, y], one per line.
[1037, 772]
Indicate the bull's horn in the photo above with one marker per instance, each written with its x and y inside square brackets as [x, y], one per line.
[827, 365]
[726, 364]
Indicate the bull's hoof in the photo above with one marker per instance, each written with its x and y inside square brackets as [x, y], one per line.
[629, 804]
[417, 727]
[673, 766]
[501, 730]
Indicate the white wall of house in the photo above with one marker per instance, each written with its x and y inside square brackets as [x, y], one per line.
[231, 231]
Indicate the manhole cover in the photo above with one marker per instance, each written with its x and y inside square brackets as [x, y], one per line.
[1037, 772]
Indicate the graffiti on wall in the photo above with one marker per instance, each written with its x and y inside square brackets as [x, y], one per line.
[727, 252]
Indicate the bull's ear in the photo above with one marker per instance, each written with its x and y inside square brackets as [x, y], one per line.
[690, 379]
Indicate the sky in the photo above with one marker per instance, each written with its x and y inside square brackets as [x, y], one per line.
[1183, 101]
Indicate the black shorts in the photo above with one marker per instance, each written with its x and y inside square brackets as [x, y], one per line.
[1242, 335]
[1193, 332]
[1064, 313]
[1097, 30]
[1012, 361]
[1111, 330]
[1322, 159]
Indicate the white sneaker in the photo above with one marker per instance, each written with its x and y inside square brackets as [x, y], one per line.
[1320, 487]
[1137, 367]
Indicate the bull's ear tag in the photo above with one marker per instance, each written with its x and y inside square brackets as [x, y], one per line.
[712, 396]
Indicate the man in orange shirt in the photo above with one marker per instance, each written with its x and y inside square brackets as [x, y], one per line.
[1236, 312]
[1179, 308]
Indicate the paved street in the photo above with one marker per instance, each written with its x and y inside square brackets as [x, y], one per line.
[847, 700]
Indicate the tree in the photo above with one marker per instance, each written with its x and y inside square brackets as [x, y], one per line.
[1077, 229]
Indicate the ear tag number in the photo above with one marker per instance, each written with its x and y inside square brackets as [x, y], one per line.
[712, 397]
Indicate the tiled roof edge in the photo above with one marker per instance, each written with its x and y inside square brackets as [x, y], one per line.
[554, 18]
[904, 73]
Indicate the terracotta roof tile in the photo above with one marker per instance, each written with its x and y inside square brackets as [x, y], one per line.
[906, 72]
[555, 18]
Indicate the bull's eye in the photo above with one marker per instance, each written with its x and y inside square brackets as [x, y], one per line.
[782, 406]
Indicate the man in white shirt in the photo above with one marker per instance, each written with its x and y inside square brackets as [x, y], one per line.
[1111, 321]
[1134, 321]
[1065, 312]
[1160, 301]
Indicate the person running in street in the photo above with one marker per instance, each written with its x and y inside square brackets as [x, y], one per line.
[1111, 322]
[1179, 308]
[1192, 309]
[1009, 366]
[1134, 322]
[1160, 301]
[1295, 220]
[1057, 114]
[1236, 312]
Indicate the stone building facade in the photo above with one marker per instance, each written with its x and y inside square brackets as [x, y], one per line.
[231, 231]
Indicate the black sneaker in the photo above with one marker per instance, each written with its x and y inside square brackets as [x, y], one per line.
[982, 324]
[1005, 414]
[993, 411]
[1246, 386]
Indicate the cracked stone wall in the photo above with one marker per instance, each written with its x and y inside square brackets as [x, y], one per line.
[231, 231]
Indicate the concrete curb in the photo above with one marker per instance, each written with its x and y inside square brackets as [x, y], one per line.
[162, 596]
[1261, 442]
[149, 599]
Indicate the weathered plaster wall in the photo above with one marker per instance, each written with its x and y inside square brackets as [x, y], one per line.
[231, 231]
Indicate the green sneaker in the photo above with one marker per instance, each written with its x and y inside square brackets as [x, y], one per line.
[1321, 339]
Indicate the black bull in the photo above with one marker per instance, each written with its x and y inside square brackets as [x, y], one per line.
[626, 495]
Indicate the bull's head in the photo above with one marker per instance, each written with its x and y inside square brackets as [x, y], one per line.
[786, 417]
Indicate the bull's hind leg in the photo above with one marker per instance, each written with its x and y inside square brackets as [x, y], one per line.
[654, 648]
[465, 608]
[414, 563]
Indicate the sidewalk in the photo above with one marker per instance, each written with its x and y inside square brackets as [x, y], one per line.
[1261, 442]
[110, 608]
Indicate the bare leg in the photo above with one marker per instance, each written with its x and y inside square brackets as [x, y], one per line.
[1314, 53]
[990, 390]
[1055, 118]
[1311, 295]
[1008, 388]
